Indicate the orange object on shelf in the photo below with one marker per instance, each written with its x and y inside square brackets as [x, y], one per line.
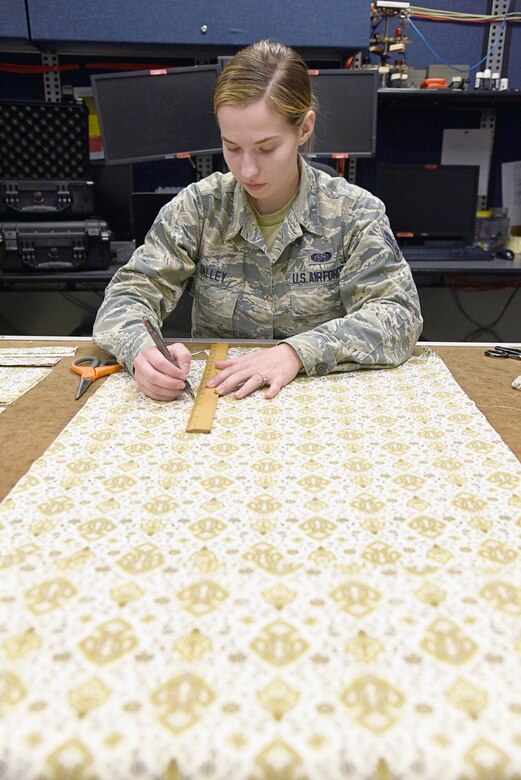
[434, 84]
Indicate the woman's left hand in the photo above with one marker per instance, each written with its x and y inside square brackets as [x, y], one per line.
[275, 367]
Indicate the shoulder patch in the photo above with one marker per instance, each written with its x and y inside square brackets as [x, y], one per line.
[391, 243]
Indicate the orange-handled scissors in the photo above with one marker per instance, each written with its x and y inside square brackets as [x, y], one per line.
[94, 371]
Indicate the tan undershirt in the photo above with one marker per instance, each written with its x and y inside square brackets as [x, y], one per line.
[270, 224]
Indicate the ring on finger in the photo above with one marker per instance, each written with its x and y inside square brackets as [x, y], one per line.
[264, 379]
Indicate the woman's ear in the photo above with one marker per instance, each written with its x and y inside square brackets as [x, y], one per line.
[307, 127]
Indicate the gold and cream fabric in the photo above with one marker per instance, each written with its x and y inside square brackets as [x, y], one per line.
[15, 381]
[327, 586]
[34, 356]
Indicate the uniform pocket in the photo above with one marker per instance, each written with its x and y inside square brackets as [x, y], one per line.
[315, 296]
[214, 308]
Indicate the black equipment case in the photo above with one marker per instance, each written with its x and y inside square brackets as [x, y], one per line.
[54, 246]
[20, 199]
[44, 161]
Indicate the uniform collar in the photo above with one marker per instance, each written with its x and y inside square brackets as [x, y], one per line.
[241, 214]
[305, 205]
[303, 211]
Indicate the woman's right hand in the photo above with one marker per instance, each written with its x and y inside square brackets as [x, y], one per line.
[157, 377]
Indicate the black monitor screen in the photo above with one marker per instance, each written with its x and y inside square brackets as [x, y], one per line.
[430, 201]
[346, 117]
[145, 207]
[153, 115]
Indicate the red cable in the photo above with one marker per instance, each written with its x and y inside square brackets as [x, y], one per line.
[457, 21]
[7, 67]
[35, 69]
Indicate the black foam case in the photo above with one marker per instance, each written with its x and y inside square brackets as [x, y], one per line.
[41, 199]
[54, 246]
[44, 164]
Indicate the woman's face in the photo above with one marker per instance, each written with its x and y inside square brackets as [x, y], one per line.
[260, 148]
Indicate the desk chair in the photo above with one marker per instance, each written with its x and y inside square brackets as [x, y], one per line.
[323, 167]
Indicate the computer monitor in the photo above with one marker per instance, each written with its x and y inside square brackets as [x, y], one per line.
[157, 114]
[154, 115]
[426, 202]
[145, 207]
[346, 117]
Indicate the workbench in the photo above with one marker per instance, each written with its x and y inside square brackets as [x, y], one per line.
[325, 586]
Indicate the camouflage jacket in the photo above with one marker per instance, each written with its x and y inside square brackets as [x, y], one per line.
[334, 284]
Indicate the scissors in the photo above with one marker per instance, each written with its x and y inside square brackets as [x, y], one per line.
[94, 371]
[504, 352]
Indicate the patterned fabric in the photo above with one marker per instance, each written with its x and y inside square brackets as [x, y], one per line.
[327, 586]
[15, 381]
[334, 284]
[33, 356]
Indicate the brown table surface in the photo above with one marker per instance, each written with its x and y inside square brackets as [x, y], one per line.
[30, 424]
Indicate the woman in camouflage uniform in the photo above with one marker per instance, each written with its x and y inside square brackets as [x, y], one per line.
[275, 249]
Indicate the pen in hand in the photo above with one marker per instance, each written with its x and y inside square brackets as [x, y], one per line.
[160, 344]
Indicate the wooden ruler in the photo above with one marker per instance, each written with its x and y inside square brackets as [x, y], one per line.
[203, 410]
